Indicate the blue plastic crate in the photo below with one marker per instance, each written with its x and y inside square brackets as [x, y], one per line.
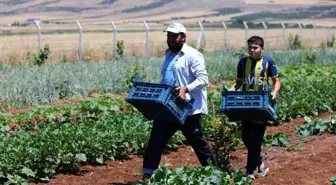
[158, 101]
[248, 105]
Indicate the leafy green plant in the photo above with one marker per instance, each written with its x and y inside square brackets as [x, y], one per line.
[308, 57]
[202, 49]
[331, 43]
[224, 135]
[120, 48]
[131, 74]
[40, 57]
[63, 89]
[294, 149]
[198, 175]
[54, 157]
[278, 139]
[306, 90]
[282, 140]
[294, 42]
[46, 141]
[242, 52]
[333, 180]
[328, 43]
[316, 127]
[63, 59]
[331, 124]
[193, 45]
[17, 179]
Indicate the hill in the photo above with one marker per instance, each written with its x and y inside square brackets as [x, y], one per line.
[163, 10]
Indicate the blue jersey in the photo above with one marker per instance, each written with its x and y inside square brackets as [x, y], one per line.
[255, 73]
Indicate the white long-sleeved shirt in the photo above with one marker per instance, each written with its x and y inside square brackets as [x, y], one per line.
[190, 72]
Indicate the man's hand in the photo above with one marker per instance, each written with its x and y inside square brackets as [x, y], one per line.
[182, 91]
[237, 85]
[274, 95]
[233, 88]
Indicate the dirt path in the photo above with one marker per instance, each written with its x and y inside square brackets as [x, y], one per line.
[312, 166]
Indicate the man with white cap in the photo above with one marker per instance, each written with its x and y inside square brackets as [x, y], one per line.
[185, 65]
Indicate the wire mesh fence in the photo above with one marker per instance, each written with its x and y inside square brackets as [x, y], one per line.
[98, 40]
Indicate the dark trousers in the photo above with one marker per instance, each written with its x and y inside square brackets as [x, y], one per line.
[162, 131]
[252, 135]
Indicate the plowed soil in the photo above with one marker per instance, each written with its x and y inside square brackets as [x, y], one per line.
[312, 166]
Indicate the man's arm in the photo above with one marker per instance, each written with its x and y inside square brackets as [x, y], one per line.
[198, 70]
[239, 80]
[237, 85]
[273, 73]
[277, 85]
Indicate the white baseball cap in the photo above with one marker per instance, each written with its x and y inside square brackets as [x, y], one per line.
[176, 28]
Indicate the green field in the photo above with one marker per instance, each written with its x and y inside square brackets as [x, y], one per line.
[33, 85]
[37, 145]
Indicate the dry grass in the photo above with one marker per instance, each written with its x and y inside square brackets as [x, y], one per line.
[318, 22]
[98, 46]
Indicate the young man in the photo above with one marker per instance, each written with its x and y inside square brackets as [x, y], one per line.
[253, 73]
[185, 65]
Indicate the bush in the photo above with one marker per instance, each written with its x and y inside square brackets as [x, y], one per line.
[308, 57]
[330, 43]
[131, 75]
[224, 135]
[40, 57]
[294, 42]
[242, 52]
[120, 48]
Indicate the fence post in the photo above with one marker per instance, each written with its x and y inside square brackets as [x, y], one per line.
[329, 33]
[80, 45]
[283, 33]
[114, 39]
[225, 35]
[314, 31]
[147, 38]
[38, 27]
[201, 39]
[246, 31]
[265, 33]
[300, 26]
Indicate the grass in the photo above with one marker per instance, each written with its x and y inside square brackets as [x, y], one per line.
[27, 85]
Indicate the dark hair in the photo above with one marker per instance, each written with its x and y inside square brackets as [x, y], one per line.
[256, 40]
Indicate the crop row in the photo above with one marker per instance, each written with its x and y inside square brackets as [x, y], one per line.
[38, 85]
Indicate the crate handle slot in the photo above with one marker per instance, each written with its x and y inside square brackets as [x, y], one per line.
[138, 78]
